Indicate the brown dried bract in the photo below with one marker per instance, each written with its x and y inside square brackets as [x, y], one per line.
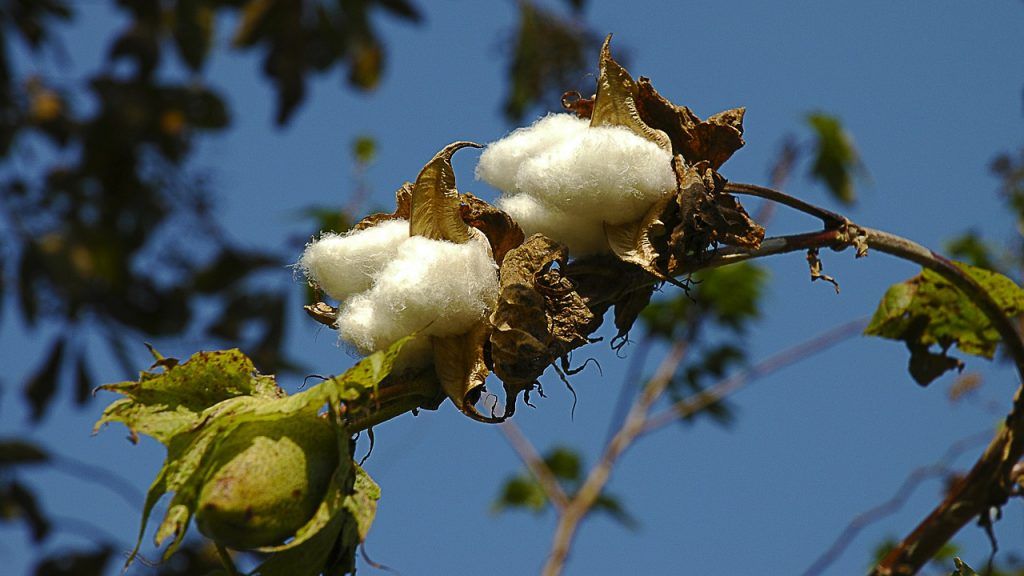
[539, 316]
[616, 101]
[713, 140]
[500, 229]
[403, 206]
[706, 217]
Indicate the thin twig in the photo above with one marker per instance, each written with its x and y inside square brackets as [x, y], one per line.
[535, 464]
[225, 559]
[829, 217]
[988, 485]
[584, 499]
[702, 400]
[896, 502]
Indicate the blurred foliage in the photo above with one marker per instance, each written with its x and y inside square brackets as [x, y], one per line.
[835, 162]
[970, 248]
[522, 491]
[551, 54]
[713, 316]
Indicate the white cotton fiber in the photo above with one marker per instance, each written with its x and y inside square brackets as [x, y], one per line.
[345, 264]
[582, 236]
[500, 162]
[565, 179]
[605, 173]
[435, 287]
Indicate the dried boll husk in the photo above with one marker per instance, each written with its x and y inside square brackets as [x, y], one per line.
[267, 481]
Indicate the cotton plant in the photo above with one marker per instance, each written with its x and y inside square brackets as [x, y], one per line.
[421, 271]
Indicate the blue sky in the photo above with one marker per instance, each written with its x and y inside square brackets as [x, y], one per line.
[930, 96]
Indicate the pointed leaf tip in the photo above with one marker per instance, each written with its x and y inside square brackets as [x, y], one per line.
[435, 210]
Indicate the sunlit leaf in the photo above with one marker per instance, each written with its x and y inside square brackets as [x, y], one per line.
[206, 410]
[927, 310]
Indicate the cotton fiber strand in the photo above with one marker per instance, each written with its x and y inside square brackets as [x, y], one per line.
[500, 162]
[562, 178]
[434, 287]
[345, 264]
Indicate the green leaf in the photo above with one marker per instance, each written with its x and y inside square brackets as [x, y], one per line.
[564, 463]
[521, 492]
[163, 403]
[364, 150]
[193, 407]
[836, 160]
[927, 310]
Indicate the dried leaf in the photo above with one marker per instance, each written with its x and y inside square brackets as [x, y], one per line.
[501, 230]
[615, 103]
[539, 316]
[713, 140]
[403, 209]
[635, 242]
[435, 210]
[459, 364]
[707, 216]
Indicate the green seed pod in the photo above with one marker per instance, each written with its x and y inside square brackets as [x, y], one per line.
[267, 480]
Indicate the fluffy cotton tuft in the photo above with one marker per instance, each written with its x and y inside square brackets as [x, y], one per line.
[431, 286]
[500, 162]
[581, 176]
[581, 235]
[345, 264]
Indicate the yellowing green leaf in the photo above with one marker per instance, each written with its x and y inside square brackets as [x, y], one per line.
[928, 310]
[195, 407]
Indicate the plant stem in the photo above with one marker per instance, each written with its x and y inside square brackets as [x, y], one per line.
[988, 485]
[225, 559]
[633, 427]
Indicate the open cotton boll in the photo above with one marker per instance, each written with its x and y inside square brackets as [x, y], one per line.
[581, 235]
[369, 325]
[501, 160]
[345, 264]
[435, 287]
[606, 174]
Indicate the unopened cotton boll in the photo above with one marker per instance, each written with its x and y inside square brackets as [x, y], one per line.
[581, 235]
[345, 264]
[500, 162]
[433, 287]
